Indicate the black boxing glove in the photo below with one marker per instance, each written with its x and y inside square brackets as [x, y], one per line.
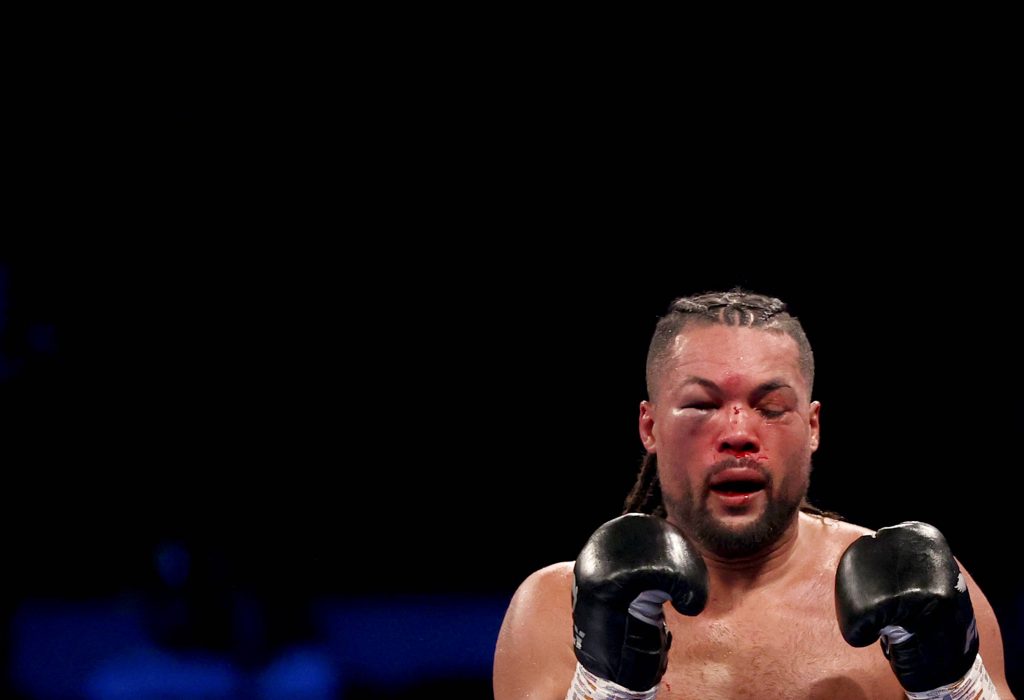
[628, 568]
[903, 585]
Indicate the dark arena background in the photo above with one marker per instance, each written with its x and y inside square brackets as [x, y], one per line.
[277, 476]
[346, 375]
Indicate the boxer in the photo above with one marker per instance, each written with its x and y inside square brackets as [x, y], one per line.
[722, 580]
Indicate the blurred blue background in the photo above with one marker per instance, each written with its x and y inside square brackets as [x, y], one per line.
[368, 351]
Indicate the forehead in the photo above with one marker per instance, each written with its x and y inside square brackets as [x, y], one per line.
[733, 357]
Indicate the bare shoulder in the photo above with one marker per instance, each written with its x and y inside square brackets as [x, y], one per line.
[546, 594]
[534, 656]
[551, 581]
[831, 535]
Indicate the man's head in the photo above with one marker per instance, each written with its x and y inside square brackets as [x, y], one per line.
[729, 425]
[734, 308]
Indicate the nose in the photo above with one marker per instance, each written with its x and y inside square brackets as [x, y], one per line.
[739, 437]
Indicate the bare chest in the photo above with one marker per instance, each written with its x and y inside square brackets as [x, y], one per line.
[786, 650]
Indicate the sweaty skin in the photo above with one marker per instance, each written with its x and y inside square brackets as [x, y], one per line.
[769, 629]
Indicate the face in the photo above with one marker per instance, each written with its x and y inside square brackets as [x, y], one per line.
[733, 429]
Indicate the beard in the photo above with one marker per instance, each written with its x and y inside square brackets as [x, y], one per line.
[692, 514]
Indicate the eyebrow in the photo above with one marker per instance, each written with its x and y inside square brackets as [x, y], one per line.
[761, 389]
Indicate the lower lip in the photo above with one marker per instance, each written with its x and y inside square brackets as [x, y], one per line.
[736, 500]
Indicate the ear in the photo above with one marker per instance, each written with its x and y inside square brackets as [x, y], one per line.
[815, 427]
[647, 426]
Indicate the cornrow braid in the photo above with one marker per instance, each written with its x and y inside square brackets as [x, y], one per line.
[645, 497]
[737, 307]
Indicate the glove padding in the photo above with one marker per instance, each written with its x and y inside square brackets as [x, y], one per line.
[904, 585]
[626, 570]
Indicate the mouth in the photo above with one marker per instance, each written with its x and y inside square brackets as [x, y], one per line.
[738, 485]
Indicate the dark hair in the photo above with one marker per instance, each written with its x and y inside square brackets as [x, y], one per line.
[737, 307]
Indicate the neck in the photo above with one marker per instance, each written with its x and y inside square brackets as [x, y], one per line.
[733, 576]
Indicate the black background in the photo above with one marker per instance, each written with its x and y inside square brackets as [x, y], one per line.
[386, 333]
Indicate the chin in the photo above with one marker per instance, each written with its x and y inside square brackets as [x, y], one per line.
[738, 523]
[737, 536]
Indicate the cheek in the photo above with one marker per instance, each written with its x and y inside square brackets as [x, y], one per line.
[685, 449]
[677, 469]
[681, 449]
[675, 484]
[798, 467]
[682, 433]
[787, 439]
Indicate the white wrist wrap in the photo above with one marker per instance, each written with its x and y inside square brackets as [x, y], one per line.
[976, 685]
[587, 686]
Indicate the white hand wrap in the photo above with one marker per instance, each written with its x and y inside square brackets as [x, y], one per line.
[587, 686]
[976, 685]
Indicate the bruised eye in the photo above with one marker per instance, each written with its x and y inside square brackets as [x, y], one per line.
[769, 413]
[701, 406]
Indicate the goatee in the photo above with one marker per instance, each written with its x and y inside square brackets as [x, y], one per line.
[691, 512]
